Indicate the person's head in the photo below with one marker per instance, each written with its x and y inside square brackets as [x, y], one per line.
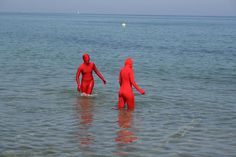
[86, 58]
[129, 62]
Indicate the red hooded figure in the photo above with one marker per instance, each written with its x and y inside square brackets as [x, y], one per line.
[126, 80]
[87, 81]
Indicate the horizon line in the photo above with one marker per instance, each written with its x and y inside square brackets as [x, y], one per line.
[127, 14]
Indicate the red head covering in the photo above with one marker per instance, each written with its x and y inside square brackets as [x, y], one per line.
[86, 57]
[129, 61]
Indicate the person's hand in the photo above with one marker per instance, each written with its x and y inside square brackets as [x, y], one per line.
[142, 92]
[104, 81]
[78, 88]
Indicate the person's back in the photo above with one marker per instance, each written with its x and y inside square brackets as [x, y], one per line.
[126, 80]
[125, 83]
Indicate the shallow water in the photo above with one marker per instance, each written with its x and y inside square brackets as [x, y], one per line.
[187, 66]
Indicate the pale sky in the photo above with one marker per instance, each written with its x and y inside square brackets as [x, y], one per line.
[142, 7]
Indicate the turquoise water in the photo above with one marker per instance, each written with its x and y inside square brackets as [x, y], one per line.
[186, 65]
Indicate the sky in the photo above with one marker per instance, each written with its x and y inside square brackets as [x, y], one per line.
[140, 7]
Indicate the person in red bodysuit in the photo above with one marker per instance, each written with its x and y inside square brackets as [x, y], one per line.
[87, 81]
[126, 80]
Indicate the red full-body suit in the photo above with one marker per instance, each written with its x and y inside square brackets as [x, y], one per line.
[126, 80]
[87, 81]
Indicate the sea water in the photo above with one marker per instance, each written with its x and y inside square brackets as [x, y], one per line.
[186, 65]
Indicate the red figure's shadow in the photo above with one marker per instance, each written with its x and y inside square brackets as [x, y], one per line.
[84, 111]
[125, 122]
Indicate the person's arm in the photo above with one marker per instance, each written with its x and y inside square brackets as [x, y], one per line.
[77, 78]
[141, 91]
[120, 80]
[98, 73]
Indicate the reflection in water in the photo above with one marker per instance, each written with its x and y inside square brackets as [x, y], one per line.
[84, 110]
[125, 121]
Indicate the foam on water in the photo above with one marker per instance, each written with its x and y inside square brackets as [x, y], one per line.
[88, 95]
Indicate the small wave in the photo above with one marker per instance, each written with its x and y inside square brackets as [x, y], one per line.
[88, 95]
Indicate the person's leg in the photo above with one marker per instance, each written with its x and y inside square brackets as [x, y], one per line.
[90, 87]
[121, 102]
[130, 102]
[83, 87]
